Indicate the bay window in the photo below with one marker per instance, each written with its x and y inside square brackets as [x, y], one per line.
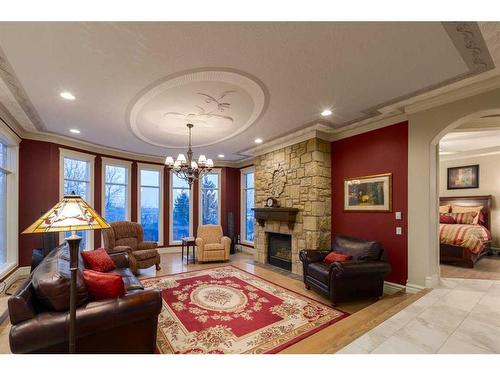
[151, 201]
[209, 201]
[247, 203]
[181, 209]
[116, 190]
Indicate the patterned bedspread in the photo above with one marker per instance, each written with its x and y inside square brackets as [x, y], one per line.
[470, 236]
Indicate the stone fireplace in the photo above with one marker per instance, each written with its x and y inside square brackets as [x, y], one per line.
[307, 187]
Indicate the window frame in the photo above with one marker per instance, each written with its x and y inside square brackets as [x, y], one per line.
[218, 172]
[156, 168]
[11, 168]
[82, 156]
[243, 203]
[171, 212]
[117, 163]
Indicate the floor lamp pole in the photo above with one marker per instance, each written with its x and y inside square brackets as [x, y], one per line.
[74, 245]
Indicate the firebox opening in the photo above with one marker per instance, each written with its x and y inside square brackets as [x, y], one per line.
[280, 250]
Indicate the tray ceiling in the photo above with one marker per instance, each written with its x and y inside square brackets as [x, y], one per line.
[288, 73]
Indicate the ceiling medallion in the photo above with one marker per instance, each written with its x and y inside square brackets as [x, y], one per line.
[221, 104]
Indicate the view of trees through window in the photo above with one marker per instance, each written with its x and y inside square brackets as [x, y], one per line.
[150, 204]
[180, 210]
[77, 181]
[210, 199]
[248, 191]
[3, 204]
[115, 193]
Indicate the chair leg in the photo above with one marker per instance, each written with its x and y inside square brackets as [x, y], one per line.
[308, 287]
[158, 266]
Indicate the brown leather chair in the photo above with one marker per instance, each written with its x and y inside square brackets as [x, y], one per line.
[361, 277]
[129, 237]
[39, 312]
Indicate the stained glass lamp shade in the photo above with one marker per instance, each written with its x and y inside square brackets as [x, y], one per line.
[72, 213]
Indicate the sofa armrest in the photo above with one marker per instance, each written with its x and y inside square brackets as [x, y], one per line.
[120, 259]
[199, 242]
[312, 256]
[146, 245]
[226, 241]
[359, 269]
[50, 328]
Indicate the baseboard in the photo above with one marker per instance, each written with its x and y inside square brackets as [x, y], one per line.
[391, 288]
[169, 250]
[413, 288]
[247, 249]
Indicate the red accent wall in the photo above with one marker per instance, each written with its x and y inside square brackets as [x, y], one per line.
[379, 151]
[38, 190]
[231, 181]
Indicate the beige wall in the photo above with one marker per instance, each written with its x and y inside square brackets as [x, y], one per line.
[425, 130]
[489, 184]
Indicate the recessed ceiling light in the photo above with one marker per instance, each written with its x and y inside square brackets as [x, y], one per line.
[221, 155]
[67, 95]
[258, 140]
[74, 131]
[326, 112]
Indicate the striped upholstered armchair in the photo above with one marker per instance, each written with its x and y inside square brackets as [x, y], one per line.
[211, 244]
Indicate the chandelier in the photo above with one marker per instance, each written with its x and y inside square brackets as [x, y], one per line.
[188, 169]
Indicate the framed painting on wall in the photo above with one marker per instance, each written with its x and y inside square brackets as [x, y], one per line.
[368, 193]
[465, 177]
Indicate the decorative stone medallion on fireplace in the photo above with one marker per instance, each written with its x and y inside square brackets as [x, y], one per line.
[307, 166]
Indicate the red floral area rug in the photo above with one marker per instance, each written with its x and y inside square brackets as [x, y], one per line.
[228, 310]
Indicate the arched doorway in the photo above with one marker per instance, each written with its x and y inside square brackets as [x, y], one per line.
[434, 171]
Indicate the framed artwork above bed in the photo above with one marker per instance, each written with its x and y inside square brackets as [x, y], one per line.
[465, 177]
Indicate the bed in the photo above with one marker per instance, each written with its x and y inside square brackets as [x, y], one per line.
[463, 244]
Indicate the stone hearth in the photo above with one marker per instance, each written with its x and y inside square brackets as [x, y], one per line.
[307, 167]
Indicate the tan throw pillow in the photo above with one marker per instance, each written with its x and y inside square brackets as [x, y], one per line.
[444, 209]
[462, 209]
[464, 217]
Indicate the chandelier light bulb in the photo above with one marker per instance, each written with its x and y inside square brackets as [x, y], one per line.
[181, 158]
[210, 163]
[169, 161]
[202, 160]
[194, 165]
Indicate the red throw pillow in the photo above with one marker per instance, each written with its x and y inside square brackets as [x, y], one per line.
[446, 219]
[336, 257]
[98, 260]
[103, 285]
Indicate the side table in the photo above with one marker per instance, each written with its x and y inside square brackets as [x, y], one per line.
[188, 242]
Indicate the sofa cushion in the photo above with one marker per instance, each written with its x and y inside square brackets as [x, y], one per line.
[51, 280]
[359, 249]
[98, 260]
[336, 257]
[214, 246]
[129, 280]
[319, 271]
[102, 285]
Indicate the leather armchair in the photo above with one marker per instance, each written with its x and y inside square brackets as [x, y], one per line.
[211, 244]
[126, 236]
[105, 326]
[361, 277]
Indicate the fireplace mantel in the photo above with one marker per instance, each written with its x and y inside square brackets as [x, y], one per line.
[284, 214]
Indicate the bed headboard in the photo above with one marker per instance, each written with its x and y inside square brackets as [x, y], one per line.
[479, 200]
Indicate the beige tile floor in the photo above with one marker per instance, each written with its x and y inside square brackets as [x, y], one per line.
[459, 316]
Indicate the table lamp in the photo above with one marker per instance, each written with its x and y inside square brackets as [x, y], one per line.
[71, 214]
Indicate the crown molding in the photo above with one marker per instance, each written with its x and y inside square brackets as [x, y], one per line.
[471, 154]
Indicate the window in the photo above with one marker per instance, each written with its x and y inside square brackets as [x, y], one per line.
[247, 203]
[151, 202]
[78, 172]
[210, 198]
[181, 211]
[116, 190]
[3, 204]
[9, 152]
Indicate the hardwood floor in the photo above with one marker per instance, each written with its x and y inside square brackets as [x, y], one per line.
[365, 314]
[486, 268]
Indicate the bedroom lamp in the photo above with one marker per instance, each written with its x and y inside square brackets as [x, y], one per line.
[71, 214]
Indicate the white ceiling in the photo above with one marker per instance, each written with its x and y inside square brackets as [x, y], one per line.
[301, 67]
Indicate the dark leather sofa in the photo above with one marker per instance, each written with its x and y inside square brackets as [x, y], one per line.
[39, 312]
[362, 277]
